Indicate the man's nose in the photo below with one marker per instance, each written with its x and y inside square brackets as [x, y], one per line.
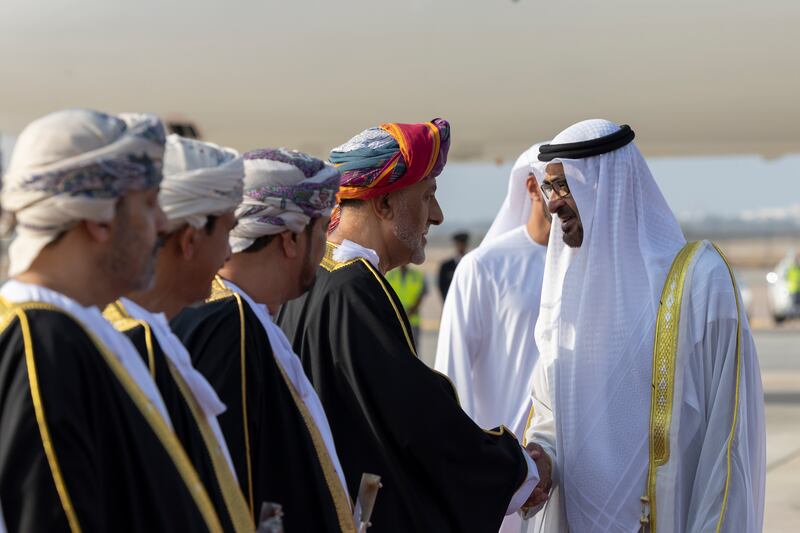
[435, 216]
[554, 204]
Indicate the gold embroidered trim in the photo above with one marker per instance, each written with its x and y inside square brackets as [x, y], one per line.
[736, 393]
[329, 263]
[341, 500]
[665, 347]
[380, 281]
[527, 426]
[164, 434]
[118, 316]
[41, 420]
[219, 292]
[229, 487]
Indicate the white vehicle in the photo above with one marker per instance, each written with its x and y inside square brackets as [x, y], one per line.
[782, 305]
[747, 296]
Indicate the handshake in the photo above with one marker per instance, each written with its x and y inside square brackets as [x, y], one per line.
[541, 492]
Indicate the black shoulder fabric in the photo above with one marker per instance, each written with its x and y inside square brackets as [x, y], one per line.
[592, 147]
[115, 471]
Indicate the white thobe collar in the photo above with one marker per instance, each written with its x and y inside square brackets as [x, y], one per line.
[348, 250]
[173, 348]
[92, 319]
[291, 365]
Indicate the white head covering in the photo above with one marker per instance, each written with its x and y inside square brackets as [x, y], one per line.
[595, 327]
[200, 179]
[284, 190]
[516, 208]
[74, 165]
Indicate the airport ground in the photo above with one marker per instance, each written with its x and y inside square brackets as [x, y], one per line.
[779, 355]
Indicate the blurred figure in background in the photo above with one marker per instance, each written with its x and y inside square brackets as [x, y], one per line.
[448, 268]
[411, 287]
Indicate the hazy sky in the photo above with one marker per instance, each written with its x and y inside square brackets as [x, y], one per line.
[710, 76]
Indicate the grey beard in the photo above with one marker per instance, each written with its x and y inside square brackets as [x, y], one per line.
[410, 238]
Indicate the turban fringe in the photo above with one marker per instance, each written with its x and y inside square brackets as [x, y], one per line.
[420, 152]
[284, 190]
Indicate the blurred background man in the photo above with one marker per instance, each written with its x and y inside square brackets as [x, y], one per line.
[448, 268]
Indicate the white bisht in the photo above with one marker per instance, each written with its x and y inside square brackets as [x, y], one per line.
[592, 388]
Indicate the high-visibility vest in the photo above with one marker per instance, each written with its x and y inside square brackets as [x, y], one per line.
[793, 279]
[408, 288]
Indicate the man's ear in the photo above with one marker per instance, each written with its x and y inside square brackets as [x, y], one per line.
[289, 243]
[537, 198]
[98, 231]
[533, 188]
[383, 206]
[186, 239]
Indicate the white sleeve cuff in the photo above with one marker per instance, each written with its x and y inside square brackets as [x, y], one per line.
[524, 491]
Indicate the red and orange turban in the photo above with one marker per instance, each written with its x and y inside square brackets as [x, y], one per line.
[381, 160]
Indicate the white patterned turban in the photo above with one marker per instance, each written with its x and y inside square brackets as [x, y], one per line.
[516, 208]
[74, 165]
[200, 179]
[283, 190]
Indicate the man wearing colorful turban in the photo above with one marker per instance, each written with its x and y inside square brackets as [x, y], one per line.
[390, 414]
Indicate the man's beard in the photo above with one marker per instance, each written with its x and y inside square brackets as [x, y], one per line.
[132, 269]
[411, 237]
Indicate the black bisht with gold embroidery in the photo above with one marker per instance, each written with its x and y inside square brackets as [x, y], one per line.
[393, 416]
[269, 438]
[81, 448]
[188, 421]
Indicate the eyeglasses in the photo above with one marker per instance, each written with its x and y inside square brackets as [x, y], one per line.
[559, 185]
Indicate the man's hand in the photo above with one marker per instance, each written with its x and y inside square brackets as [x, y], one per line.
[544, 464]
